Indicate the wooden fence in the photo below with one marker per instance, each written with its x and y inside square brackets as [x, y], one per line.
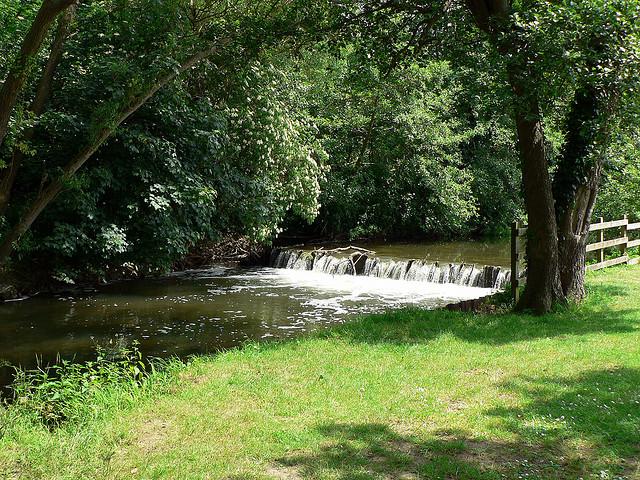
[519, 246]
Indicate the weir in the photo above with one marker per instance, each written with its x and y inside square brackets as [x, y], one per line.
[469, 275]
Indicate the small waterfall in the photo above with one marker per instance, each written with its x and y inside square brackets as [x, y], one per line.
[410, 270]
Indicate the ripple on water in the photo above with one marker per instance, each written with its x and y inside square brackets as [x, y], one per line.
[206, 310]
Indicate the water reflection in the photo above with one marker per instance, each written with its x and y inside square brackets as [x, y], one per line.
[204, 311]
[480, 252]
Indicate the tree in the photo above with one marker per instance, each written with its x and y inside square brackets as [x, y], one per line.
[605, 95]
[543, 274]
[567, 60]
[621, 177]
[168, 39]
[410, 154]
[20, 67]
[591, 46]
[8, 174]
[209, 155]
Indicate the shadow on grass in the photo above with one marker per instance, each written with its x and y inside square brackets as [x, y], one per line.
[413, 326]
[372, 451]
[566, 428]
[592, 420]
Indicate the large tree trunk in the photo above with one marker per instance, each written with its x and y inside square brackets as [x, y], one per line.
[8, 175]
[543, 287]
[30, 46]
[50, 192]
[576, 186]
[573, 236]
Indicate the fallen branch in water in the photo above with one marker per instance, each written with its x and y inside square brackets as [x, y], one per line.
[359, 253]
[229, 249]
[343, 249]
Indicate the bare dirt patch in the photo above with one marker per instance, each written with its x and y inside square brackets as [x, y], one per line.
[284, 472]
[192, 378]
[632, 467]
[456, 406]
[151, 435]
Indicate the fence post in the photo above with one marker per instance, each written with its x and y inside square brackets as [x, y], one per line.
[601, 240]
[515, 262]
[625, 233]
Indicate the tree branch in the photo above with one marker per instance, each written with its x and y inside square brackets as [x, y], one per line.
[37, 107]
[20, 69]
[55, 187]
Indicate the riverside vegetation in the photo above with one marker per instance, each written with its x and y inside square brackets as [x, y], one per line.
[133, 132]
[406, 394]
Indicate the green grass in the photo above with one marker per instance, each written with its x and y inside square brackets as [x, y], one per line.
[404, 395]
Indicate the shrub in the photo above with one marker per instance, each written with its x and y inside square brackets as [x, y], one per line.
[69, 392]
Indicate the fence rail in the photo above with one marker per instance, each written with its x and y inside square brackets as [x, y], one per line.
[519, 248]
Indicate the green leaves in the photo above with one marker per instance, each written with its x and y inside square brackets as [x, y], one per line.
[621, 181]
[181, 169]
[279, 160]
[63, 392]
[397, 146]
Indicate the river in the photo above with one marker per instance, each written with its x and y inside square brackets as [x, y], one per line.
[203, 311]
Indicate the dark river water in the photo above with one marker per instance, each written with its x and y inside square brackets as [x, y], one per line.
[208, 310]
[496, 253]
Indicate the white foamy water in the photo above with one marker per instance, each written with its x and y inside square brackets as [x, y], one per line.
[363, 265]
[353, 289]
[207, 310]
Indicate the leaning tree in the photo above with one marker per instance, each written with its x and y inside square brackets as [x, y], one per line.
[156, 43]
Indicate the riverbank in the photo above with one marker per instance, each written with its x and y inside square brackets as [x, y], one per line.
[23, 282]
[409, 394]
[231, 251]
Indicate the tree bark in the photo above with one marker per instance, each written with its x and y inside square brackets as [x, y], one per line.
[543, 287]
[8, 176]
[576, 185]
[573, 236]
[31, 44]
[55, 186]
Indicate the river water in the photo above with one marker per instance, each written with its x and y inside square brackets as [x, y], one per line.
[211, 309]
[479, 252]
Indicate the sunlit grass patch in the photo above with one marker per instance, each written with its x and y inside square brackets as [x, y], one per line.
[407, 394]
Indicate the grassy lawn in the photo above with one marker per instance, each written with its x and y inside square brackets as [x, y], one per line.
[405, 395]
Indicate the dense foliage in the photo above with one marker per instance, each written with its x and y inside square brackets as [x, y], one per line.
[217, 151]
[621, 183]
[63, 392]
[323, 118]
[184, 169]
[408, 150]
